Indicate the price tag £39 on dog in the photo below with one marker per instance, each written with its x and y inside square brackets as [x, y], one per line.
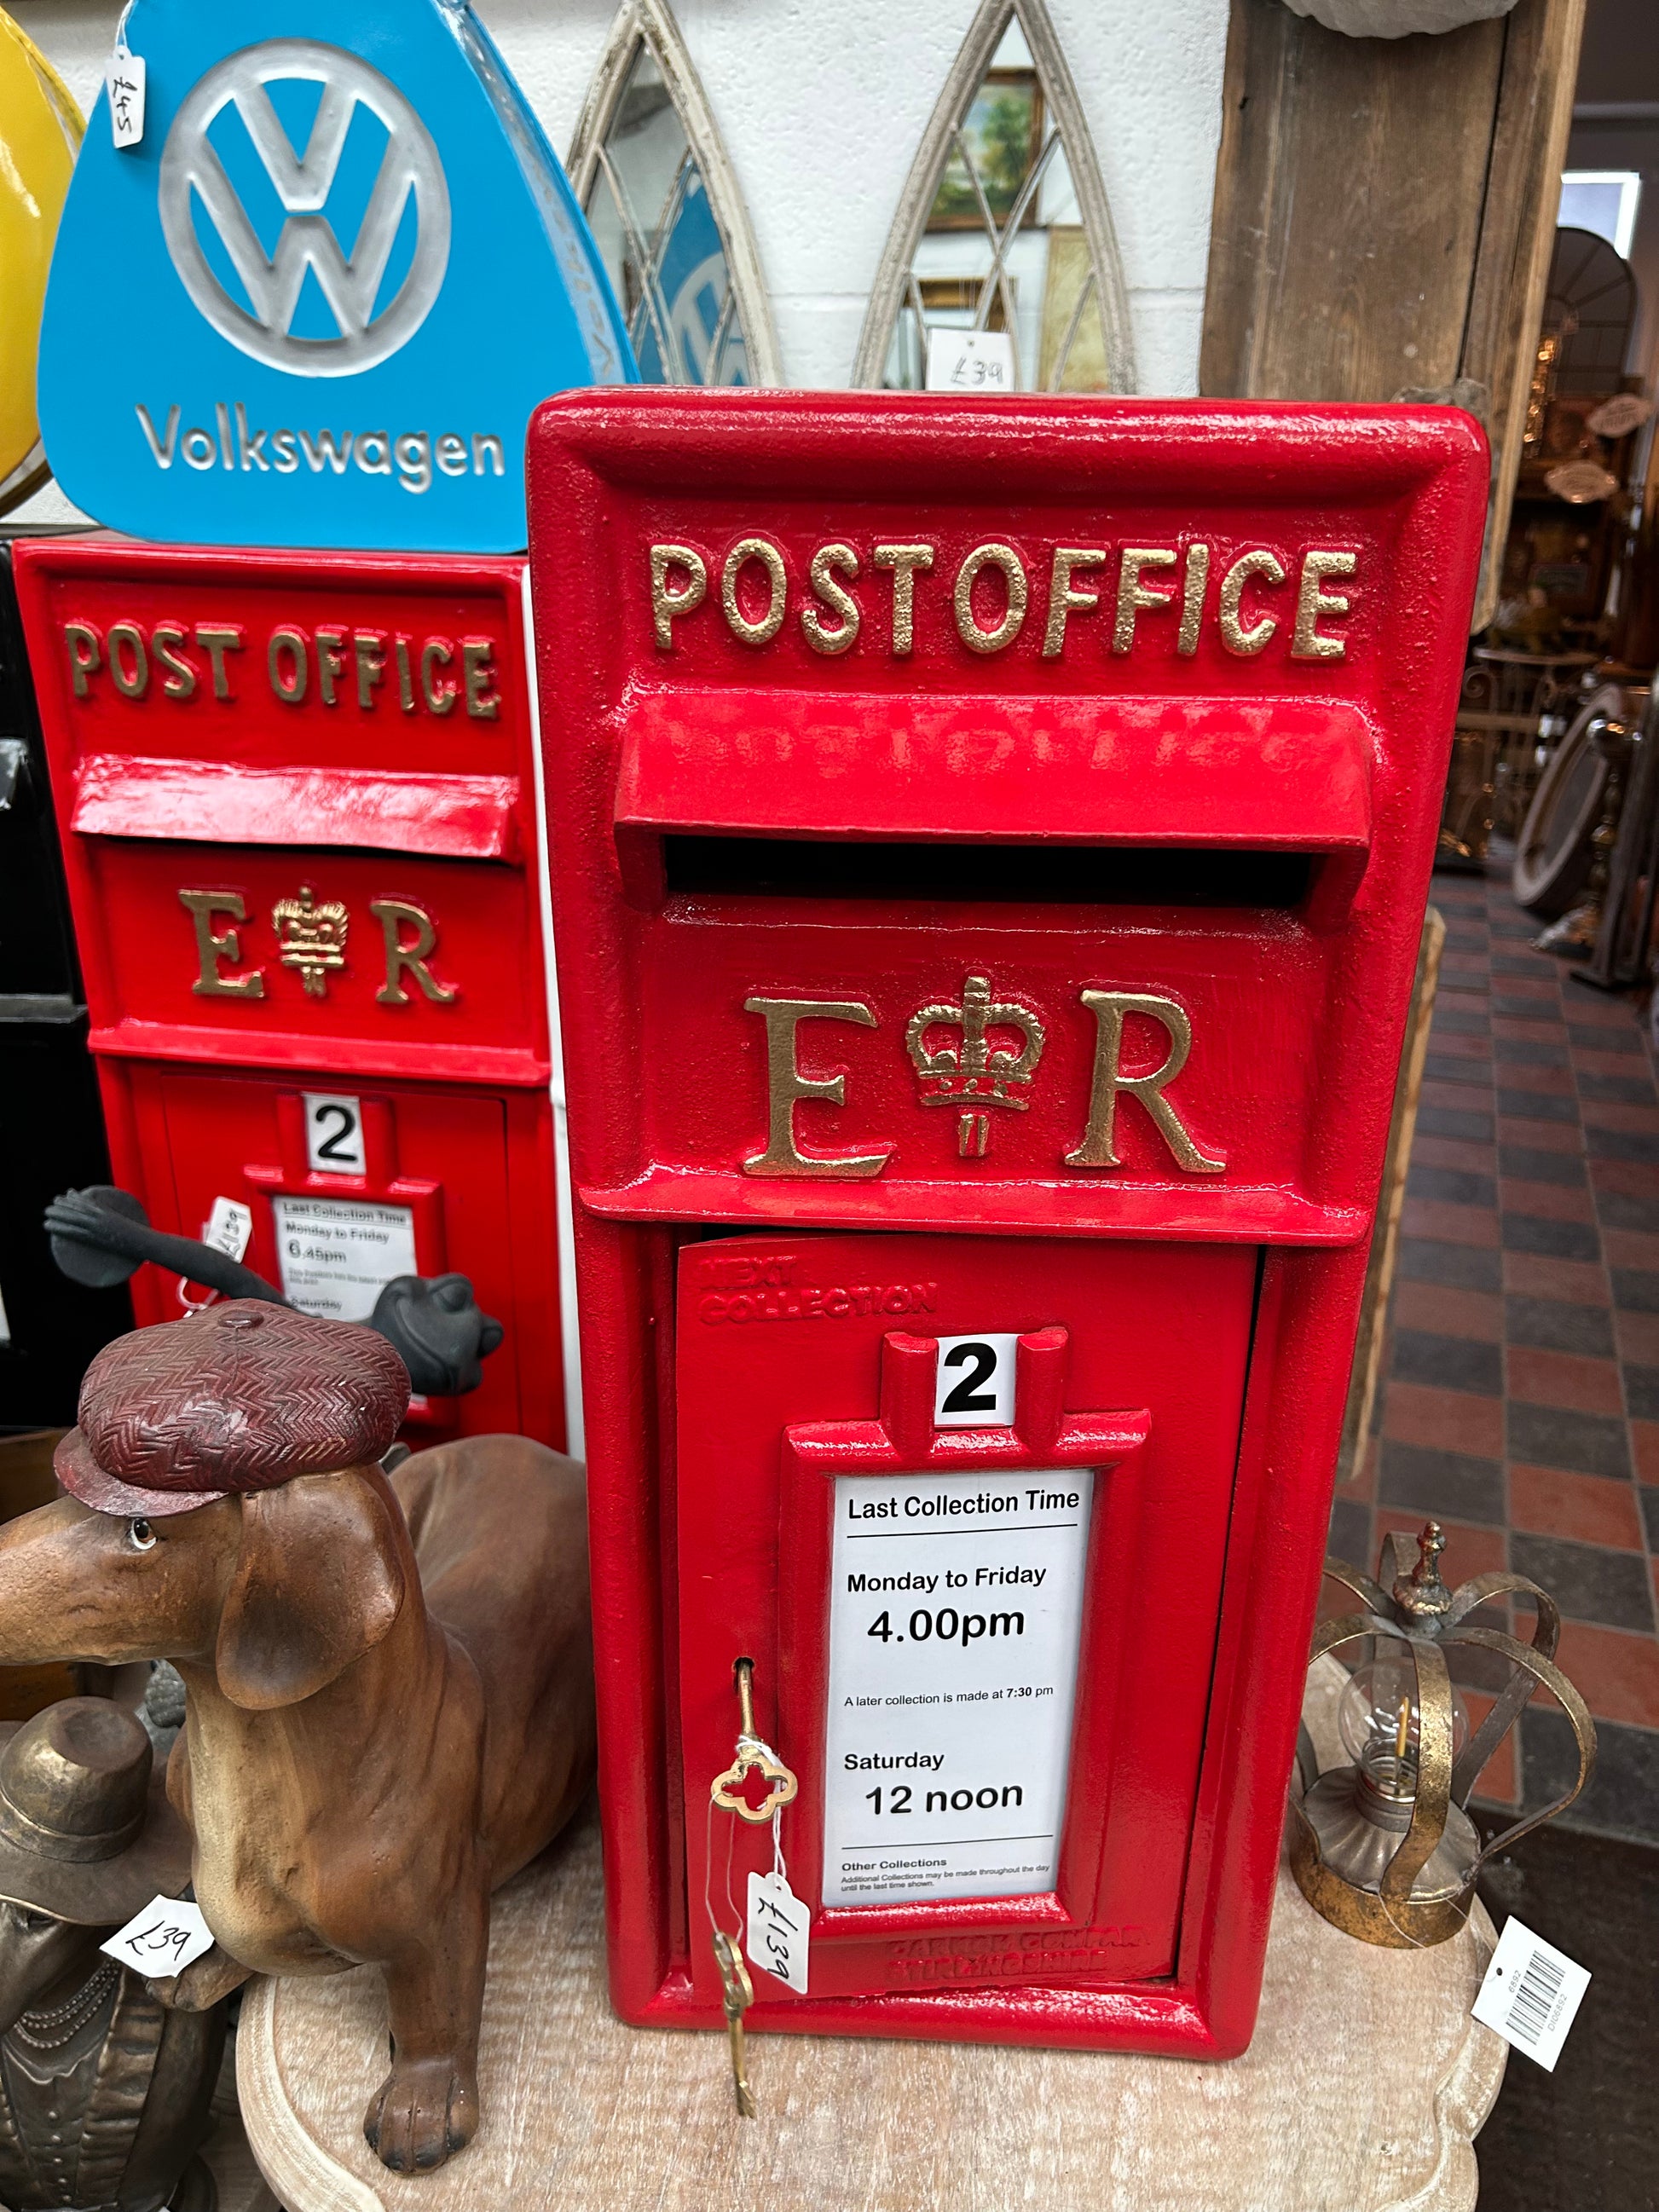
[161, 1939]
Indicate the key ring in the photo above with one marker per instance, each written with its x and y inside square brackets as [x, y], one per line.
[754, 1753]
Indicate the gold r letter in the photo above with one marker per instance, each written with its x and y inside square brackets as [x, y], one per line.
[1109, 1008]
[392, 914]
[785, 1084]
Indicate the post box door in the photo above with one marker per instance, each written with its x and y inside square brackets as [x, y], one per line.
[414, 1183]
[964, 1503]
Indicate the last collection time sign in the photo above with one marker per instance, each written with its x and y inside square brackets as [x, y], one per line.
[956, 1609]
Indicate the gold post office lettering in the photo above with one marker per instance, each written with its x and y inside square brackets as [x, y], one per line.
[1110, 600]
[322, 666]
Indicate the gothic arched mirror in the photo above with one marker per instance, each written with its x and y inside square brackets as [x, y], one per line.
[1004, 226]
[651, 173]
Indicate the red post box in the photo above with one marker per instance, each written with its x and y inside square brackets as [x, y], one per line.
[297, 798]
[990, 846]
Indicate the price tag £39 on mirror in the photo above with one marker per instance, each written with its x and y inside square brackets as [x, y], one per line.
[780, 1928]
[161, 1939]
[970, 360]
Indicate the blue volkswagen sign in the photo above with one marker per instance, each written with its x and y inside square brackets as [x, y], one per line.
[316, 303]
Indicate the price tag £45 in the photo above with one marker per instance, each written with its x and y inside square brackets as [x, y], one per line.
[123, 81]
[161, 1939]
[779, 1930]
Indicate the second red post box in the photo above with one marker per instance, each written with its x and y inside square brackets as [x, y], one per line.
[298, 804]
[989, 848]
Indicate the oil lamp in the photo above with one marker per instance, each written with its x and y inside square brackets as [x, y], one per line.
[1383, 1846]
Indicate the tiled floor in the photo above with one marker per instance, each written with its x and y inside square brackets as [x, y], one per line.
[1522, 1403]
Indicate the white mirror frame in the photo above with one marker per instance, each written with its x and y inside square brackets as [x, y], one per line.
[887, 295]
[652, 23]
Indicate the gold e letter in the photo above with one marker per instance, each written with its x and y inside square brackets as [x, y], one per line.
[211, 949]
[785, 1084]
[1108, 1009]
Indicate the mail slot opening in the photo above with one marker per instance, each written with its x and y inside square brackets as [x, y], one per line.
[1026, 874]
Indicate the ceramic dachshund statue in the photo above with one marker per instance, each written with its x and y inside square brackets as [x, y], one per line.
[390, 1704]
[103, 2095]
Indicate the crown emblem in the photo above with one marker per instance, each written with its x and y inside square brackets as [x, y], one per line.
[974, 1074]
[312, 938]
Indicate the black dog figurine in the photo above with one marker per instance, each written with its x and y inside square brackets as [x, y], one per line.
[100, 1237]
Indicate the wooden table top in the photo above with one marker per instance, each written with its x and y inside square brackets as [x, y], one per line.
[1362, 2092]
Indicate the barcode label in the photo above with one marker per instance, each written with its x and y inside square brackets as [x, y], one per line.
[1531, 1993]
[1533, 2003]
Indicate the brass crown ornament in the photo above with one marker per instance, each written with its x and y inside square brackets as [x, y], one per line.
[1382, 1847]
[312, 938]
[974, 1073]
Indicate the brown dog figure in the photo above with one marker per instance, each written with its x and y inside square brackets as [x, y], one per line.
[389, 1703]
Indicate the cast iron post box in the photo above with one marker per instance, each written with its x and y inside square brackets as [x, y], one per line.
[989, 850]
[52, 1126]
[298, 809]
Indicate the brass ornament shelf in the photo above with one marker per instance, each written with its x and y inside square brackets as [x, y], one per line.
[1384, 1848]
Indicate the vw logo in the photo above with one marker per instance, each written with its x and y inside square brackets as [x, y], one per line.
[350, 275]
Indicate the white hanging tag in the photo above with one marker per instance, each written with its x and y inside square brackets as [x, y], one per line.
[1531, 1994]
[970, 360]
[162, 1939]
[780, 1928]
[228, 1228]
[124, 80]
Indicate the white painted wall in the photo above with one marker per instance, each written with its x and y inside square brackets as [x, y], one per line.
[822, 102]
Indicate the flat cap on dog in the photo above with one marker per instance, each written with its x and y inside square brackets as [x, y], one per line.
[241, 1397]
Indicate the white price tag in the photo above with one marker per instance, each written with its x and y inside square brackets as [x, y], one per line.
[124, 80]
[228, 1228]
[780, 1929]
[334, 1133]
[970, 360]
[974, 1387]
[161, 1939]
[1531, 1994]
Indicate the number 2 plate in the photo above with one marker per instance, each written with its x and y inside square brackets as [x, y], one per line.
[334, 1133]
[975, 1388]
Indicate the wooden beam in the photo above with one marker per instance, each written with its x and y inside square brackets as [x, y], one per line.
[1517, 235]
[1383, 214]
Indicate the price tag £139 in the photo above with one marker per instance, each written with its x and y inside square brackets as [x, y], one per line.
[779, 1929]
[161, 1939]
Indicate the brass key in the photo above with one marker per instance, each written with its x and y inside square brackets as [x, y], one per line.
[726, 1789]
[737, 1994]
